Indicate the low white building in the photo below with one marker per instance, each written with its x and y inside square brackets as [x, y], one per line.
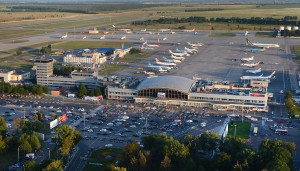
[8, 76]
[70, 59]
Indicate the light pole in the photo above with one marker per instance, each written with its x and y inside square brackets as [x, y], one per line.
[234, 130]
[49, 153]
[18, 153]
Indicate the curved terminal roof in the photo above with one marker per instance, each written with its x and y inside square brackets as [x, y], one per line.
[171, 82]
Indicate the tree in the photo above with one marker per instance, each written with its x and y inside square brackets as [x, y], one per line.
[19, 52]
[166, 163]
[3, 146]
[56, 165]
[46, 90]
[3, 126]
[92, 92]
[25, 147]
[17, 124]
[63, 131]
[30, 166]
[82, 90]
[223, 161]
[40, 90]
[142, 160]
[34, 142]
[98, 92]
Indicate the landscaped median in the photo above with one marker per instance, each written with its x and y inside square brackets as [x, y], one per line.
[242, 129]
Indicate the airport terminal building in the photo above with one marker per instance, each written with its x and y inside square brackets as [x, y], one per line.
[180, 91]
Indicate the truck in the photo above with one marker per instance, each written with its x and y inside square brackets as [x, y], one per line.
[255, 131]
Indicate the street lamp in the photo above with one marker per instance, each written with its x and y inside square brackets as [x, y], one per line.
[18, 153]
[49, 153]
[234, 130]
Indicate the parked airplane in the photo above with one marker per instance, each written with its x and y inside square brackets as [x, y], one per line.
[152, 45]
[261, 44]
[194, 50]
[255, 71]
[165, 38]
[195, 44]
[246, 34]
[171, 60]
[142, 47]
[122, 38]
[144, 30]
[255, 50]
[164, 63]
[84, 37]
[177, 57]
[163, 30]
[179, 54]
[248, 59]
[64, 36]
[189, 30]
[158, 68]
[261, 77]
[102, 37]
[172, 32]
[183, 51]
[251, 64]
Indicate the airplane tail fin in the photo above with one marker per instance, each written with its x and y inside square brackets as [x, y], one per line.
[165, 58]
[149, 64]
[156, 60]
[170, 51]
[249, 42]
[272, 75]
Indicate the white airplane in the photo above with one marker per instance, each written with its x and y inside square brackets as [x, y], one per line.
[152, 45]
[113, 26]
[251, 64]
[64, 36]
[142, 47]
[84, 37]
[172, 32]
[144, 30]
[158, 68]
[255, 71]
[246, 34]
[165, 63]
[261, 77]
[171, 60]
[189, 30]
[261, 44]
[194, 50]
[248, 59]
[178, 54]
[183, 51]
[122, 38]
[163, 30]
[177, 57]
[195, 44]
[165, 38]
[128, 32]
[102, 37]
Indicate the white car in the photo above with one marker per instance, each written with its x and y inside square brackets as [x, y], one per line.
[108, 145]
[58, 111]
[90, 130]
[132, 126]
[51, 107]
[110, 124]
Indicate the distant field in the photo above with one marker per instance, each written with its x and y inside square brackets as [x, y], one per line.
[222, 35]
[132, 58]
[110, 69]
[9, 34]
[16, 41]
[264, 34]
[99, 156]
[297, 50]
[85, 23]
[89, 44]
[242, 129]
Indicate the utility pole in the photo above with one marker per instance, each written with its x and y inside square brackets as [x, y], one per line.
[234, 130]
[49, 153]
[24, 113]
[18, 153]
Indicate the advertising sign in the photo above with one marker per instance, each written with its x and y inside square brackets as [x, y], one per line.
[53, 123]
[62, 119]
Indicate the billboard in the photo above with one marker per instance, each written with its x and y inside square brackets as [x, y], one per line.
[62, 119]
[161, 95]
[53, 123]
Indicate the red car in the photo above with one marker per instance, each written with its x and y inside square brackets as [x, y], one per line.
[281, 121]
[126, 126]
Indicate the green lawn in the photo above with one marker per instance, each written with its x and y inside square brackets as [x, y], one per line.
[265, 34]
[8, 159]
[9, 34]
[242, 129]
[132, 58]
[99, 156]
[222, 35]
[297, 50]
[16, 41]
[110, 69]
[89, 44]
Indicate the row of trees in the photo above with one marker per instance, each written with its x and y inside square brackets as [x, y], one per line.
[291, 107]
[237, 20]
[24, 89]
[46, 165]
[46, 49]
[82, 91]
[204, 9]
[290, 33]
[206, 152]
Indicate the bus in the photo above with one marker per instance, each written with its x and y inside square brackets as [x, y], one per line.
[255, 130]
[281, 131]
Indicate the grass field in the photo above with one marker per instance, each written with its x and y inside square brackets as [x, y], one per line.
[110, 69]
[16, 41]
[297, 52]
[222, 35]
[264, 34]
[10, 34]
[242, 129]
[8, 159]
[89, 44]
[132, 58]
[99, 156]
